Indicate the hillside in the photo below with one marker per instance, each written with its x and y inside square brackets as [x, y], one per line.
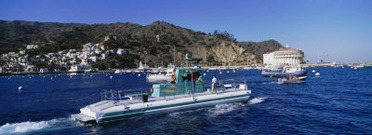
[153, 44]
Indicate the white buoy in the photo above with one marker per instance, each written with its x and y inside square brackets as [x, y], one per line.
[139, 75]
[111, 77]
[227, 71]
[317, 74]
[205, 74]
[313, 71]
[220, 72]
[20, 88]
[355, 68]
[51, 78]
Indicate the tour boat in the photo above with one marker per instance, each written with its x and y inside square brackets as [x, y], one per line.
[187, 91]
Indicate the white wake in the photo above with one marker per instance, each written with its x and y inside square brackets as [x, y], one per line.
[30, 126]
[224, 108]
[257, 100]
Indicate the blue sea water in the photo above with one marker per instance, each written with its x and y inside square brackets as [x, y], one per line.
[339, 101]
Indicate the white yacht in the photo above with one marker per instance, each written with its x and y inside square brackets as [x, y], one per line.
[161, 76]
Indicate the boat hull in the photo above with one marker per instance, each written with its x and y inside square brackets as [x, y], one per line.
[163, 106]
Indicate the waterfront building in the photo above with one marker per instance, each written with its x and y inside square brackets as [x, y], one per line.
[283, 57]
[30, 68]
[44, 70]
[80, 68]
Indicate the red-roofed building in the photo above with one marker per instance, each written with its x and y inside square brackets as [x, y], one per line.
[283, 57]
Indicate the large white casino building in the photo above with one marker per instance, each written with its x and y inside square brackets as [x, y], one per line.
[284, 57]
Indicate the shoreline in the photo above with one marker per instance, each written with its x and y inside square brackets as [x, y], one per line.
[51, 73]
[157, 70]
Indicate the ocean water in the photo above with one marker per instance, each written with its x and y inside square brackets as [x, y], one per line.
[339, 101]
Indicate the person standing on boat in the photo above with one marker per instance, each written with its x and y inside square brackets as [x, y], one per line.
[214, 81]
[174, 77]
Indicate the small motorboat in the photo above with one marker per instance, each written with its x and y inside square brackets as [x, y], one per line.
[291, 79]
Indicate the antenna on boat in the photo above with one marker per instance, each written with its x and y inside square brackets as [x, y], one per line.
[174, 55]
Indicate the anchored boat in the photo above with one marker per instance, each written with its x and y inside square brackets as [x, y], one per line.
[187, 91]
[167, 76]
[292, 79]
[285, 72]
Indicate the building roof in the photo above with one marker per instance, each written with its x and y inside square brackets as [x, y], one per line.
[286, 49]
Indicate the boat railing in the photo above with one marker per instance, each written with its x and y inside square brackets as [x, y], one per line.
[121, 94]
[222, 85]
[234, 87]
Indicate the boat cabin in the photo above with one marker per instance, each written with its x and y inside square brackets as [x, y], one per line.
[186, 81]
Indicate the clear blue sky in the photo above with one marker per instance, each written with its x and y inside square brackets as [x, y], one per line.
[338, 30]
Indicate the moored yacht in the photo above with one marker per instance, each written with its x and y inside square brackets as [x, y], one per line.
[167, 76]
[285, 72]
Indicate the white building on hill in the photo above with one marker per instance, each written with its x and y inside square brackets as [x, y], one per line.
[283, 57]
[121, 51]
[28, 47]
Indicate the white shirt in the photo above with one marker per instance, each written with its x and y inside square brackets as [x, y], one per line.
[214, 80]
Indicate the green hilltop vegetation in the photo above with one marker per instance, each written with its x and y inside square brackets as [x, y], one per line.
[154, 44]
